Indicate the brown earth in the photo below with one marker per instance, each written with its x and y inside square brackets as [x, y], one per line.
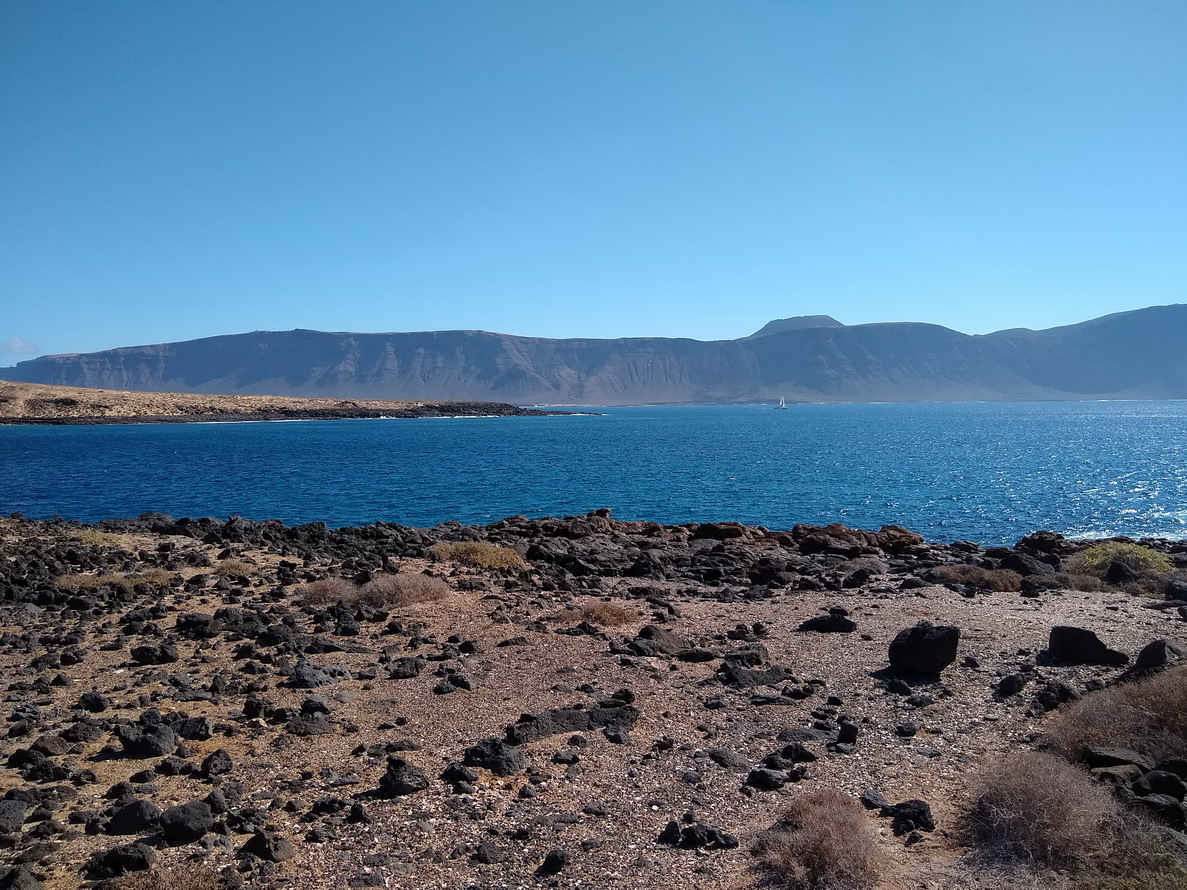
[37, 403]
[78, 601]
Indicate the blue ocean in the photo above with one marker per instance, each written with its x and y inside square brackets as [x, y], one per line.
[984, 472]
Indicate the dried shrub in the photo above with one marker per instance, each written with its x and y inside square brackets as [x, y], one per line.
[1038, 809]
[1143, 862]
[188, 876]
[229, 568]
[76, 582]
[158, 578]
[1001, 580]
[403, 589]
[1087, 583]
[1095, 560]
[94, 537]
[600, 613]
[1148, 716]
[823, 841]
[327, 591]
[478, 554]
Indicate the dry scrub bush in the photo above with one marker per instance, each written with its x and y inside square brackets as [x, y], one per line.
[93, 537]
[1087, 583]
[76, 582]
[1001, 580]
[233, 568]
[823, 841]
[601, 613]
[327, 591]
[1096, 559]
[403, 589]
[478, 554]
[1149, 716]
[1041, 810]
[158, 578]
[1148, 865]
[182, 877]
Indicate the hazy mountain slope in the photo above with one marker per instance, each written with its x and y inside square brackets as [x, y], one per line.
[1135, 354]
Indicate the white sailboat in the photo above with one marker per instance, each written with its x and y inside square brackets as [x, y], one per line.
[782, 405]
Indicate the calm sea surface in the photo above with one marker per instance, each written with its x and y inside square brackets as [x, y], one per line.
[985, 472]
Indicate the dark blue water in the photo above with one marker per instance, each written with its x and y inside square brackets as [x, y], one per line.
[986, 472]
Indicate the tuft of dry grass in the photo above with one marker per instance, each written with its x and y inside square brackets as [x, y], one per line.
[326, 592]
[1087, 583]
[1040, 810]
[233, 568]
[188, 876]
[158, 578]
[601, 613]
[403, 589]
[75, 582]
[94, 537]
[1001, 580]
[1148, 716]
[823, 841]
[478, 554]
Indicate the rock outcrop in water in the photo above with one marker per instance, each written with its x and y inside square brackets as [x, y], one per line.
[559, 700]
[1130, 355]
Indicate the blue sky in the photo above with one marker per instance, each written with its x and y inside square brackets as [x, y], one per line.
[625, 168]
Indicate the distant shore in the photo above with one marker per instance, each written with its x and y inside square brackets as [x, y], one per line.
[32, 403]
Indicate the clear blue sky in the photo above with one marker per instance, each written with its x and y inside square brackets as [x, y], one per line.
[171, 170]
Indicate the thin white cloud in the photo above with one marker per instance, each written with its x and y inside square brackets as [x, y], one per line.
[17, 346]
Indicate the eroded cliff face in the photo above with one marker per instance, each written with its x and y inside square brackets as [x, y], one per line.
[1129, 355]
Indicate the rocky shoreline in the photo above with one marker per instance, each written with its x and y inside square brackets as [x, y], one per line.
[442, 409]
[26, 403]
[553, 702]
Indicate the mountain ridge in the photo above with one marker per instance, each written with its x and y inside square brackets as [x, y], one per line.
[1135, 354]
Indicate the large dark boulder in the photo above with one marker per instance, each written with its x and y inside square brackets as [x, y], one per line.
[497, 756]
[910, 815]
[269, 846]
[653, 641]
[217, 763]
[138, 817]
[837, 621]
[924, 649]
[401, 778]
[165, 653]
[12, 815]
[1026, 565]
[610, 714]
[150, 740]
[121, 860]
[1156, 656]
[187, 822]
[1075, 645]
[405, 668]
[20, 878]
[307, 675]
[697, 836]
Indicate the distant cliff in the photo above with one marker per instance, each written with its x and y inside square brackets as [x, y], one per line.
[1130, 355]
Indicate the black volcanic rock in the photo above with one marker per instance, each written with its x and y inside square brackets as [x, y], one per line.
[1075, 645]
[1134, 354]
[924, 649]
[186, 822]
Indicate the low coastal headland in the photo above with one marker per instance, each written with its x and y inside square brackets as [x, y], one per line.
[42, 404]
[586, 702]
